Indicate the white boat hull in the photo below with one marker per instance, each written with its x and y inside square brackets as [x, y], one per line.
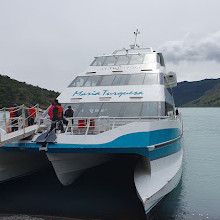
[157, 180]
[16, 164]
[69, 167]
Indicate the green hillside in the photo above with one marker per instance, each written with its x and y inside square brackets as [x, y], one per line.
[13, 91]
[211, 98]
[204, 93]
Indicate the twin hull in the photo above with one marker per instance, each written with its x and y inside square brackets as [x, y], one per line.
[158, 143]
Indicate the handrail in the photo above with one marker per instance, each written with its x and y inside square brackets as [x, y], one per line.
[86, 125]
[20, 122]
[163, 144]
[91, 124]
[108, 117]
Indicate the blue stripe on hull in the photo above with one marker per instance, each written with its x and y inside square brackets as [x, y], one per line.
[130, 143]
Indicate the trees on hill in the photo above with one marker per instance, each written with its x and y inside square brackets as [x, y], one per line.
[13, 91]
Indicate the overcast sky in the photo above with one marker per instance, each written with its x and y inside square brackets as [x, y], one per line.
[47, 42]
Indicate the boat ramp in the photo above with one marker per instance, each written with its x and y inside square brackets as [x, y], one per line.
[20, 123]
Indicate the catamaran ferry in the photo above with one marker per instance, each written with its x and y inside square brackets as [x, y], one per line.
[123, 104]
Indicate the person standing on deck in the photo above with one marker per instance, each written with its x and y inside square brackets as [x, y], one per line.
[68, 114]
[57, 116]
[32, 112]
[50, 111]
[14, 114]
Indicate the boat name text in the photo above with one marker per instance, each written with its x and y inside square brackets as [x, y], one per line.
[106, 92]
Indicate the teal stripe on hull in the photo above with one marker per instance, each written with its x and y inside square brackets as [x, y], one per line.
[129, 143]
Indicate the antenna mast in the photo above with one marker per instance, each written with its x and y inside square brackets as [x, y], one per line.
[135, 40]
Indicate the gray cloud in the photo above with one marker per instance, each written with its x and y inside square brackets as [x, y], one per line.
[189, 49]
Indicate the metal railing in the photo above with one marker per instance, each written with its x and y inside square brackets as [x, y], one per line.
[74, 125]
[97, 125]
[18, 121]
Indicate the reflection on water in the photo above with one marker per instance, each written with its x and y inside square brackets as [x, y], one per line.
[105, 192]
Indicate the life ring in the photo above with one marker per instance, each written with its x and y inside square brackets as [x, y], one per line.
[8, 127]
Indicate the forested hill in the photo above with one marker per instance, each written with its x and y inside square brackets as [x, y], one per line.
[13, 91]
[204, 93]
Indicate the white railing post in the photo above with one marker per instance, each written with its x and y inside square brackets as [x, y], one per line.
[23, 118]
[113, 124]
[37, 113]
[88, 124]
[5, 120]
[37, 119]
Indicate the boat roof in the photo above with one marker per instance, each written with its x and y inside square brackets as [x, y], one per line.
[134, 50]
[124, 51]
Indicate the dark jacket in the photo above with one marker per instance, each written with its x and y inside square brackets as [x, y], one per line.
[69, 113]
[57, 115]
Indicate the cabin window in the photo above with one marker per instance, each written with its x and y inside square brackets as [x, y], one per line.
[136, 59]
[110, 61]
[110, 109]
[167, 87]
[128, 59]
[161, 60]
[119, 109]
[74, 106]
[123, 60]
[168, 108]
[169, 96]
[119, 80]
[136, 79]
[98, 61]
[93, 81]
[78, 81]
[158, 58]
[132, 109]
[107, 80]
[151, 78]
[150, 109]
[89, 110]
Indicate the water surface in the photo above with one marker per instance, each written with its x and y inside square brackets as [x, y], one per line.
[198, 195]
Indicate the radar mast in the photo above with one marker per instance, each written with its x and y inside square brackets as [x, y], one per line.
[135, 39]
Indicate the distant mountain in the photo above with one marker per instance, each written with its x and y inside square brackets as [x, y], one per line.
[13, 91]
[204, 93]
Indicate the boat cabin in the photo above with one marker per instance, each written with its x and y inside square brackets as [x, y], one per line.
[125, 84]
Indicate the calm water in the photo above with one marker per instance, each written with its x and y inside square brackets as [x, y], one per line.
[196, 197]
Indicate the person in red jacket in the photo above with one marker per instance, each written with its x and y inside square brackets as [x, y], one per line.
[14, 114]
[50, 111]
[32, 112]
[57, 116]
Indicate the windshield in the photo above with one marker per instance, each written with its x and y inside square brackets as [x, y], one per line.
[128, 59]
[115, 80]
